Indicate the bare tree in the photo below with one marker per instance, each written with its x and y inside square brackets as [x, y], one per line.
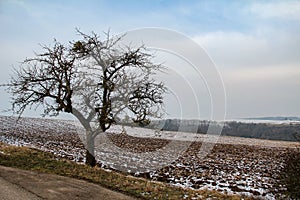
[98, 81]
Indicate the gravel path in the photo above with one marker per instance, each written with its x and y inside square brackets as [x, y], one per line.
[18, 184]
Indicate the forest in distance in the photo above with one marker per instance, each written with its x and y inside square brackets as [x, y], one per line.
[270, 131]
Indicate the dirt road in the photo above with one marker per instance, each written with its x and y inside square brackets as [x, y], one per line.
[27, 185]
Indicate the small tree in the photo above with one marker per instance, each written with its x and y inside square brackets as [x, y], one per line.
[98, 81]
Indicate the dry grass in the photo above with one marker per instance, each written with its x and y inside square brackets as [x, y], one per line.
[36, 160]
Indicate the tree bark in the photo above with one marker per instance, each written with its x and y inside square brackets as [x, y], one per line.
[90, 149]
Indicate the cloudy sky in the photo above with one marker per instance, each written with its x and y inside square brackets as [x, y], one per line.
[254, 44]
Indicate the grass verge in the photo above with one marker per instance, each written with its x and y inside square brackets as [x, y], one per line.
[36, 160]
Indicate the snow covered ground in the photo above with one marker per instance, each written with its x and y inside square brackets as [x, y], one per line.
[231, 165]
[184, 136]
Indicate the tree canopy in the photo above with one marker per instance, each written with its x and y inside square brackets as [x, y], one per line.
[97, 80]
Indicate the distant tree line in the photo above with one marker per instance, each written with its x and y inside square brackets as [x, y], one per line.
[287, 132]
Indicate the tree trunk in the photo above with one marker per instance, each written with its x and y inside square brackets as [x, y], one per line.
[90, 149]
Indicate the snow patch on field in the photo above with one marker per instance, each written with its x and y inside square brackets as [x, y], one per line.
[235, 165]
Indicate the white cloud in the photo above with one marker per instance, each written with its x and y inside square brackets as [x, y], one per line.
[231, 49]
[282, 9]
[230, 38]
[269, 90]
[258, 48]
[260, 70]
[264, 74]
[255, 46]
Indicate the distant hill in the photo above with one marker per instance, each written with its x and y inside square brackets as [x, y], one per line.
[270, 131]
[279, 118]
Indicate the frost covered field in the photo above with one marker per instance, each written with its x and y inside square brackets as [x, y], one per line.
[234, 165]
